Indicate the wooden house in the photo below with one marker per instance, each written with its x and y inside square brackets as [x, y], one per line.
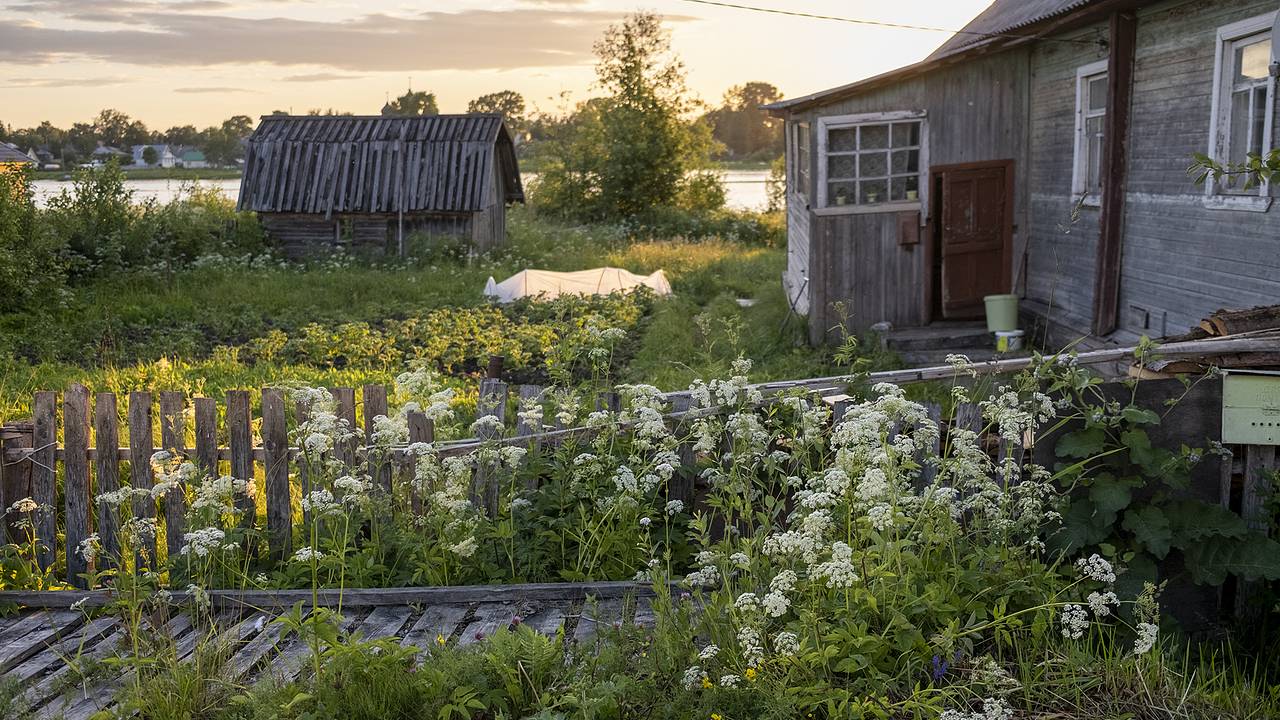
[12, 157]
[377, 182]
[1042, 151]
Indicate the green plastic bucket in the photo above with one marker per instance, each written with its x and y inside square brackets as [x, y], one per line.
[1002, 313]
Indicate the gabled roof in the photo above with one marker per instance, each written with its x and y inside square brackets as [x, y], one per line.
[1003, 18]
[377, 164]
[10, 154]
[1004, 22]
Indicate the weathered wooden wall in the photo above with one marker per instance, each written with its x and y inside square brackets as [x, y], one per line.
[1180, 260]
[298, 235]
[795, 278]
[489, 226]
[975, 111]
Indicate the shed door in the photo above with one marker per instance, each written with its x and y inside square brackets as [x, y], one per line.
[976, 236]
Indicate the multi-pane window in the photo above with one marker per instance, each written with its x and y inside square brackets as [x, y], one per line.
[870, 163]
[1243, 101]
[1249, 84]
[1091, 121]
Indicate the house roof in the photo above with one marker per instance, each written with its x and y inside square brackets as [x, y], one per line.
[1003, 22]
[377, 164]
[10, 154]
[1003, 18]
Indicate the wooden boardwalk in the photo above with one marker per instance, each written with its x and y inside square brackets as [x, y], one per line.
[45, 647]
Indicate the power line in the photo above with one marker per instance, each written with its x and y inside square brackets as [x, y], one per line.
[881, 23]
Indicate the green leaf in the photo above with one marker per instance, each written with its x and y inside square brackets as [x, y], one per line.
[1140, 416]
[1110, 494]
[1253, 557]
[1195, 520]
[1081, 443]
[1151, 528]
[1083, 524]
[1139, 445]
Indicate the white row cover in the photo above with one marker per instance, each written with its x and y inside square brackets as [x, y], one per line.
[549, 284]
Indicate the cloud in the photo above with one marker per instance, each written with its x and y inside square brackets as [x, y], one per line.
[468, 40]
[319, 77]
[219, 90]
[64, 82]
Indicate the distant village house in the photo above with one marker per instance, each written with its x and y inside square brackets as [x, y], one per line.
[378, 182]
[1043, 151]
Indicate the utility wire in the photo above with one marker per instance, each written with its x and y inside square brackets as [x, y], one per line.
[881, 23]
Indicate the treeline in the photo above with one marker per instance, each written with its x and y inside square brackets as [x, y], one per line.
[221, 143]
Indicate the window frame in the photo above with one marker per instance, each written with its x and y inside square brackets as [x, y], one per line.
[1079, 168]
[801, 159]
[1228, 36]
[838, 122]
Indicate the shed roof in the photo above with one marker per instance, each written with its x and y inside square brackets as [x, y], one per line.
[377, 164]
[10, 154]
[1003, 22]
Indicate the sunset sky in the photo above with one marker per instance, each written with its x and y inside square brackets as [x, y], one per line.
[199, 61]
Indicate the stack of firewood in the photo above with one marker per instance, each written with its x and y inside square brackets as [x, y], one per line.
[1259, 323]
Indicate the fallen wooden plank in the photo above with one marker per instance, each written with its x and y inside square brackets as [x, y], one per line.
[57, 653]
[358, 597]
[54, 626]
[437, 621]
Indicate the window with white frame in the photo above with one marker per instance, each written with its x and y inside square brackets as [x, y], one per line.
[1091, 121]
[872, 159]
[800, 159]
[1243, 103]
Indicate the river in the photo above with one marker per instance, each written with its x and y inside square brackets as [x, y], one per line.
[744, 189]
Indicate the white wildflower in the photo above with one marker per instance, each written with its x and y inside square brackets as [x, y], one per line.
[1147, 634]
[1096, 568]
[1075, 620]
[1100, 603]
[307, 554]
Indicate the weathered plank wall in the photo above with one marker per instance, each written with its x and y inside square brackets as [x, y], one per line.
[975, 112]
[298, 235]
[794, 279]
[1180, 260]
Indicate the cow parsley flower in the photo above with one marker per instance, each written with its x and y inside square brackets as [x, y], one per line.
[1096, 568]
[729, 681]
[1100, 603]
[692, 678]
[709, 652]
[26, 505]
[674, 507]
[307, 554]
[776, 604]
[839, 571]
[1147, 634]
[1075, 620]
[786, 644]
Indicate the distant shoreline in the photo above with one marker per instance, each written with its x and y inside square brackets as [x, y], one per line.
[155, 174]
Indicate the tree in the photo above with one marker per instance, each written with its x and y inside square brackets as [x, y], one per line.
[181, 135]
[507, 103]
[411, 104]
[149, 155]
[742, 127]
[633, 151]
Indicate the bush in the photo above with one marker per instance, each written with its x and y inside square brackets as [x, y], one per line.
[30, 269]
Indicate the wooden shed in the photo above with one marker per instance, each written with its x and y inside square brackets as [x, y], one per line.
[1042, 151]
[379, 182]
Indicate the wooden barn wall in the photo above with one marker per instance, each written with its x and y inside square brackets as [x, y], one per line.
[490, 226]
[298, 234]
[976, 111]
[794, 277]
[1063, 237]
[1182, 260]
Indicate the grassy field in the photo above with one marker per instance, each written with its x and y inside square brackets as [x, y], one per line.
[196, 330]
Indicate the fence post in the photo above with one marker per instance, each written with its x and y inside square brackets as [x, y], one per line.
[491, 403]
[929, 470]
[15, 478]
[75, 483]
[421, 429]
[173, 437]
[529, 395]
[275, 461]
[44, 489]
[1259, 463]
[304, 471]
[375, 404]
[240, 442]
[682, 483]
[141, 448]
[106, 432]
[346, 400]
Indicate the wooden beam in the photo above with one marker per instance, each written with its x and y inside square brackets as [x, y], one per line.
[353, 597]
[1115, 166]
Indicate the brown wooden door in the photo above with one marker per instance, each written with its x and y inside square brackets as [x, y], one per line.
[976, 236]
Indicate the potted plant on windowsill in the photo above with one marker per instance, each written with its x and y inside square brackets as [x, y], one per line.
[842, 196]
